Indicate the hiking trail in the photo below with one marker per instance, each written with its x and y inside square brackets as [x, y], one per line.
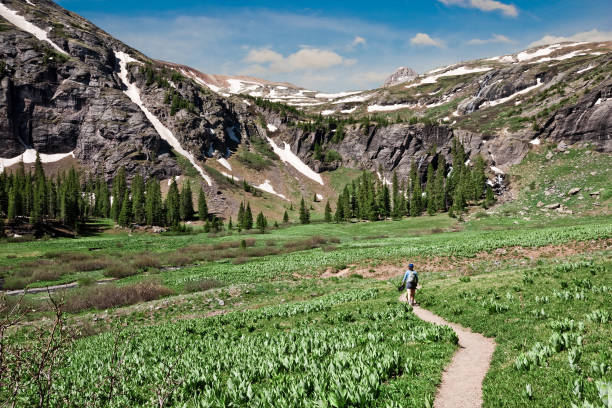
[461, 385]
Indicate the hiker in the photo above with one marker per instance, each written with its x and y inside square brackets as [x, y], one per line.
[411, 278]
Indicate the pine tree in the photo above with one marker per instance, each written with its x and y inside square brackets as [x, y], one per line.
[429, 190]
[285, 217]
[328, 212]
[202, 205]
[385, 208]
[125, 215]
[186, 198]
[304, 213]
[489, 197]
[395, 195]
[12, 204]
[248, 217]
[138, 200]
[69, 200]
[173, 214]
[439, 190]
[416, 192]
[118, 192]
[241, 217]
[153, 203]
[262, 223]
[105, 204]
[479, 177]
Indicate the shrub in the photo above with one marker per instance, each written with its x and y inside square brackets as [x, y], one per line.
[145, 261]
[89, 264]
[120, 270]
[109, 296]
[202, 285]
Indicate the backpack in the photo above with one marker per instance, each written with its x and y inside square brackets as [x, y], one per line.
[413, 277]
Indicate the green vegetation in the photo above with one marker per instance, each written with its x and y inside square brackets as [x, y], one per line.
[551, 324]
[252, 160]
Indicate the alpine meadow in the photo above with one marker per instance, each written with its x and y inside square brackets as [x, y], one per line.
[435, 236]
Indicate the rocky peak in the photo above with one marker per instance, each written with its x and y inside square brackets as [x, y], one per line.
[401, 75]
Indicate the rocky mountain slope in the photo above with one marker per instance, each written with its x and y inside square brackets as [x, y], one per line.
[73, 93]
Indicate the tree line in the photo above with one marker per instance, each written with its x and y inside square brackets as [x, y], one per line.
[368, 198]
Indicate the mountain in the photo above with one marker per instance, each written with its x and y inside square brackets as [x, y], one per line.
[76, 95]
[401, 75]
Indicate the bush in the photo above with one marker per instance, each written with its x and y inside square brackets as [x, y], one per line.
[89, 264]
[145, 261]
[202, 285]
[252, 160]
[331, 156]
[120, 270]
[109, 296]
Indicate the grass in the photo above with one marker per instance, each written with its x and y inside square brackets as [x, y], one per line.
[555, 305]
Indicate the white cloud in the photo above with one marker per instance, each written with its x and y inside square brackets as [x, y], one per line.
[485, 5]
[358, 40]
[302, 60]
[586, 36]
[422, 39]
[495, 38]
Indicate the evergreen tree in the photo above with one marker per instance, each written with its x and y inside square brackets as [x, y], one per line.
[51, 199]
[203, 206]
[429, 190]
[186, 197]
[12, 204]
[138, 200]
[69, 199]
[248, 217]
[328, 213]
[230, 226]
[285, 217]
[118, 192]
[154, 208]
[241, 217]
[105, 204]
[125, 215]
[416, 192]
[173, 211]
[439, 189]
[395, 195]
[479, 178]
[385, 207]
[304, 213]
[262, 223]
[489, 197]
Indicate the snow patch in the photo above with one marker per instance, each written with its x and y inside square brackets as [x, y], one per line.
[328, 112]
[538, 84]
[357, 98]
[349, 110]
[271, 127]
[23, 24]
[387, 108]
[598, 102]
[526, 55]
[267, 187]
[432, 79]
[287, 156]
[30, 3]
[29, 156]
[225, 163]
[230, 176]
[134, 94]
[590, 67]
[535, 141]
[319, 197]
[497, 170]
[335, 95]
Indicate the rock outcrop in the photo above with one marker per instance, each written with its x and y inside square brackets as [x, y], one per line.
[401, 75]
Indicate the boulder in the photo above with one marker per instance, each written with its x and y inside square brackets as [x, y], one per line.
[553, 206]
[574, 191]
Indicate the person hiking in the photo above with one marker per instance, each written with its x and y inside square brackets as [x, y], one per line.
[411, 278]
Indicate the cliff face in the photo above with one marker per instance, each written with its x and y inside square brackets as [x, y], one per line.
[75, 102]
[62, 89]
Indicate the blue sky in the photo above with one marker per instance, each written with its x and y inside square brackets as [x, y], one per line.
[340, 45]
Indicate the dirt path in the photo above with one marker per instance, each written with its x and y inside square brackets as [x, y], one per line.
[461, 385]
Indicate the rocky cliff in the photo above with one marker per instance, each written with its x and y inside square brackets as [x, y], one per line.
[68, 87]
